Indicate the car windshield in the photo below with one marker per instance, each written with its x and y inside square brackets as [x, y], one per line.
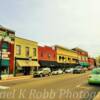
[69, 68]
[96, 71]
[78, 67]
[40, 69]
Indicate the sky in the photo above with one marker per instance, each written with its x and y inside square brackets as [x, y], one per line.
[69, 23]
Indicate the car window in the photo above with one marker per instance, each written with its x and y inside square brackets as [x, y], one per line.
[40, 69]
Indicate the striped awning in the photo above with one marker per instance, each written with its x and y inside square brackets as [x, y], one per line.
[26, 63]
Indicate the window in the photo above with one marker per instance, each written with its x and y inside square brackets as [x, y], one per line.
[54, 56]
[63, 58]
[42, 54]
[34, 51]
[27, 51]
[49, 55]
[69, 58]
[18, 50]
[59, 57]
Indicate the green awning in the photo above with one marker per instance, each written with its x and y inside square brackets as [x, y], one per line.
[84, 64]
[5, 63]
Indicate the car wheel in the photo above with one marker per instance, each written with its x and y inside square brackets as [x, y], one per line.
[41, 75]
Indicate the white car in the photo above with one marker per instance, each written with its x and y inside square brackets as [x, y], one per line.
[69, 70]
[56, 72]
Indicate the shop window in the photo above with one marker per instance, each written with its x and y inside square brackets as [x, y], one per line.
[18, 50]
[34, 51]
[27, 51]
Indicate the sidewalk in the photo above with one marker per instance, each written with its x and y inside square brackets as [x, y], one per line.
[97, 97]
[12, 78]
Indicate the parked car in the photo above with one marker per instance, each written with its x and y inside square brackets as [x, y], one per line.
[86, 69]
[94, 77]
[69, 70]
[42, 72]
[78, 69]
[56, 72]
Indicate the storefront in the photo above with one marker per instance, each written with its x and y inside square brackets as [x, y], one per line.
[7, 38]
[47, 57]
[51, 64]
[66, 57]
[26, 56]
[82, 56]
[25, 67]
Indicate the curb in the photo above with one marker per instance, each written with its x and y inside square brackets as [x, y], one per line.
[15, 78]
[97, 97]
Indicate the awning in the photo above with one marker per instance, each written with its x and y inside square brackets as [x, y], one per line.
[84, 64]
[26, 63]
[48, 63]
[5, 62]
[62, 64]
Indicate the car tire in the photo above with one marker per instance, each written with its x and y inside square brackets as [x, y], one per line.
[41, 75]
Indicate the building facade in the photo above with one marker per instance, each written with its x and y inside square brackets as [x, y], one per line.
[98, 61]
[26, 55]
[82, 56]
[47, 57]
[7, 38]
[91, 61]
[66, 57]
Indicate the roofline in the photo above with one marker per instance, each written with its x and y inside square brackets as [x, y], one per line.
[80, 49]
[26, 39]
[6, 29]
[64, 48]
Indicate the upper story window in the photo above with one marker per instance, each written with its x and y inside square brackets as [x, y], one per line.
[42, 54]
[59, 57]
[63, 58]
[18, 49]
[69, 59]
[49, 55]
[34, 51]
[27, 51]
[54, 56]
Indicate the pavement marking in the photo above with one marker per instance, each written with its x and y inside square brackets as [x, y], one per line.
[82, 86]
[4, 87]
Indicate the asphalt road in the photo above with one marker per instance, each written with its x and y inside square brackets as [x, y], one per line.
[58, 87]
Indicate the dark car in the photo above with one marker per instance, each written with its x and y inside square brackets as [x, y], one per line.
[78, 69]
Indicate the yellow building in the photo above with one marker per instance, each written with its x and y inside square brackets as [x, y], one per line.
[98, 61]
[65, 55]
[26, 55]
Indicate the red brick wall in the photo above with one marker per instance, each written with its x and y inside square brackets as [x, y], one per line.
[91, 61]
[43, 53]
[11, 49]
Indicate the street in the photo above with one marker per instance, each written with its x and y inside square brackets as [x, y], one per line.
[57, 87]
